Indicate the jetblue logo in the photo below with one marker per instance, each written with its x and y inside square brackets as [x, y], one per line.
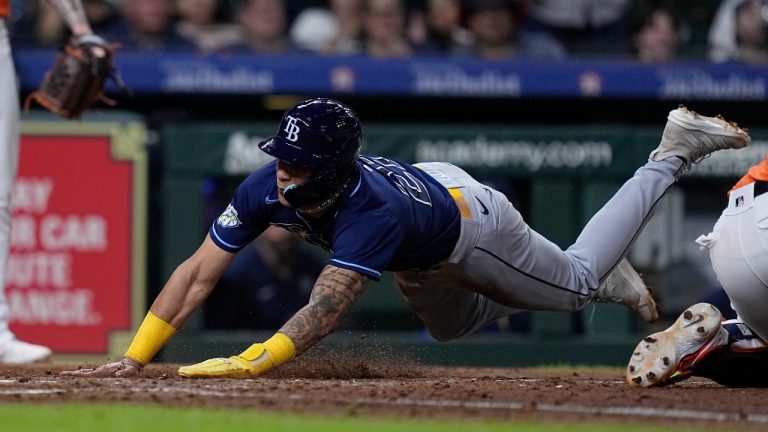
[291, 129]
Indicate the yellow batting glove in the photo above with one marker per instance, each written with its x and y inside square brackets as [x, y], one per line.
[251, 363]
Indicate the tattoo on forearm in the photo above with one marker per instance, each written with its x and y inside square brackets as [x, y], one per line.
[71, 11]
[334, 293]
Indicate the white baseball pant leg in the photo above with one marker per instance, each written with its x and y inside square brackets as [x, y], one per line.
[9, 156]
[738, 249]
[501, 266]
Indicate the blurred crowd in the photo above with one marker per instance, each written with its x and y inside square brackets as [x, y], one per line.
[645, 30]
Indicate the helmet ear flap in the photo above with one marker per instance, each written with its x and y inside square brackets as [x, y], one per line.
[303, 195]
[324, 183]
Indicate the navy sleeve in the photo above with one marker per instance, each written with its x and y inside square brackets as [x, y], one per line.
[242, 221]
[367, 246]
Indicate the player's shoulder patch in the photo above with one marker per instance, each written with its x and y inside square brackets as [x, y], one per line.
[229, 218]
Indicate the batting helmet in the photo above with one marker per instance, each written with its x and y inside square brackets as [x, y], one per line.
[323, 135]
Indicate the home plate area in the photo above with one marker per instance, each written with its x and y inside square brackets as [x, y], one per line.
[344, 386]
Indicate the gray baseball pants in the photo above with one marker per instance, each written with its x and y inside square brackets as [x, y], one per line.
[500, 266]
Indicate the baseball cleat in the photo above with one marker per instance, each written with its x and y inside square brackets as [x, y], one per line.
[18, 352]
[743, 363]
[625, 286]
[694, 137]
[669, 356]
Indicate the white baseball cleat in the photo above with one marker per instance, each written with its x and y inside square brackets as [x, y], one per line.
[694, 137]
[16, 352]
[625, 286]
[669, 356]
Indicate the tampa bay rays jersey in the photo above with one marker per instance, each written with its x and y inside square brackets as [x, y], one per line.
[394, 217]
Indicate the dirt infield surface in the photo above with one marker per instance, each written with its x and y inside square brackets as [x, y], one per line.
[350, 387]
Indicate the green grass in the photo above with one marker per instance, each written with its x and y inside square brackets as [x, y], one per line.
[147, 418]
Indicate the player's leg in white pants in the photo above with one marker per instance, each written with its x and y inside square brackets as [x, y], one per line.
[9, 149]
[738, 249]
[503, 266]
[12, 351]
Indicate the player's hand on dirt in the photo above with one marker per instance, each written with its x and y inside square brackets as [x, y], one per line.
[251, 363]
[124, 368]
[233, 367]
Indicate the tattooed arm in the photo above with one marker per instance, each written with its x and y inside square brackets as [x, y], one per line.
[333, 295]
[71, 11]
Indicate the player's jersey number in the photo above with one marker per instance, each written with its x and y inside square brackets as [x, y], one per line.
[398, 177]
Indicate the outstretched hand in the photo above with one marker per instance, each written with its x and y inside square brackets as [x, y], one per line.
[124, 368]
[233, 367]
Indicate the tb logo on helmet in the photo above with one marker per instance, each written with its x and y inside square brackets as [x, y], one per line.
[291, 129]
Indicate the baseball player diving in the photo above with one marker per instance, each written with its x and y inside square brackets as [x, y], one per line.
[461, 253]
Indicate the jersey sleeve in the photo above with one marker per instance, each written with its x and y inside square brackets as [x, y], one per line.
[242, 221]
[367, 246]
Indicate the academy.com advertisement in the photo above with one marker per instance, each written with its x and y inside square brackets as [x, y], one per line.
[69, 271]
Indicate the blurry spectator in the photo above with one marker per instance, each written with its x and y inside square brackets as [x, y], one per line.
[334, 30]
[444, 32]
[266, 283]
[315, 29]
[654, 32]
[384, 29]
[494, 25]
[264, 26]
[583, 27]
[50, 29]
[146, 25]
[205, 24]
[739, 32]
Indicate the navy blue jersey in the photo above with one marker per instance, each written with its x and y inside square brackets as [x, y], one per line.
[394, 217]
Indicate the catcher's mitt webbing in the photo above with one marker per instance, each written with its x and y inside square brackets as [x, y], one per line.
[152, 335]
[76, 80]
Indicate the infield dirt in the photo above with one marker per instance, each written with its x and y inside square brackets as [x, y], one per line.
[346, 386]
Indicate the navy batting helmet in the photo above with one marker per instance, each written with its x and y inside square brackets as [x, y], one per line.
[323, 135]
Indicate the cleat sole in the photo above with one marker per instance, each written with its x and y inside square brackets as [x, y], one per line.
[656, 361]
